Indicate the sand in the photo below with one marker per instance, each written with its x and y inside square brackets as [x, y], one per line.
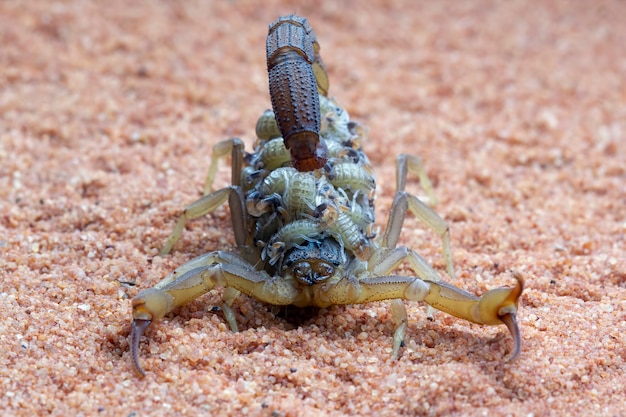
[108, 114]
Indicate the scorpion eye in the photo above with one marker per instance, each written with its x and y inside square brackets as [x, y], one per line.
[323, 271]
[312, 272]
[302, 272]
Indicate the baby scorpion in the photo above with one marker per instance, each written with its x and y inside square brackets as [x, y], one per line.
[302, 209]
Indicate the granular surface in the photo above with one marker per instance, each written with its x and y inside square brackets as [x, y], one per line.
[108, 114]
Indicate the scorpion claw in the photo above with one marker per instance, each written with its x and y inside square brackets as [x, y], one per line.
[510, 320]
[139, 326]
[508, 315]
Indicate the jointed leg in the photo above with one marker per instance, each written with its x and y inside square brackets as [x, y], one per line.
[413, 164]
[228, 298]
[221, 150]
[388, 257]
[209, 202]
[404, 201]
[385, 260]
[198, 208]
[398, 313]
[382, 263]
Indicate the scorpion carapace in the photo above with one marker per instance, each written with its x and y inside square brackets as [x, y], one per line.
[291, 59]
[306, 237]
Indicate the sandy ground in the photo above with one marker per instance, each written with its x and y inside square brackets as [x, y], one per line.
[109, 111]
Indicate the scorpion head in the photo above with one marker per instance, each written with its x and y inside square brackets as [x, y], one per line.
[312, 271]
[315, 262]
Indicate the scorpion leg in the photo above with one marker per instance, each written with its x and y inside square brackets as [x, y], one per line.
[209, 202]
[239, 215]
[401, 203]
[404, 201]
[398, 313]
[414, 164]
[498, 306]
[197, 277]
[221, 150]
[198, 208]
[385, 260]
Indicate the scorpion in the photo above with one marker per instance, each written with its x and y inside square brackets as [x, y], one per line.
[302, 210]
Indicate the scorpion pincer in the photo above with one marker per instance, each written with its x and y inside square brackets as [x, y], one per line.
[302, 209]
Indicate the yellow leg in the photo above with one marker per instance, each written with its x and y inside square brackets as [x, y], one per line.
[404, 201]
[413, 164]
[198, 208]
[221, 150]
[209, 202]
[398, 313]
[228, 298]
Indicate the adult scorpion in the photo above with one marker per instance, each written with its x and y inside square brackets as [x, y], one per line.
[302, 208]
